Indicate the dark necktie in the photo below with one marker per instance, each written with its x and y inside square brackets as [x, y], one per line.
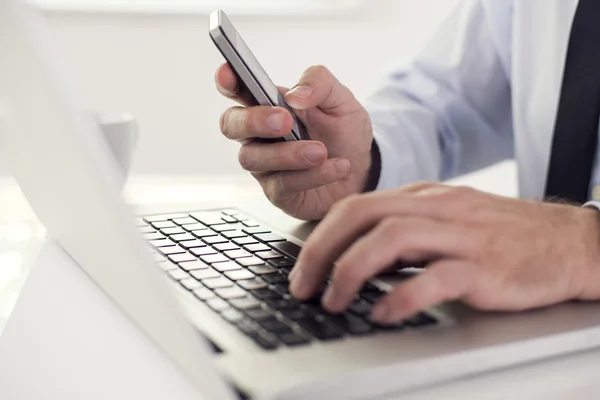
[576, 130]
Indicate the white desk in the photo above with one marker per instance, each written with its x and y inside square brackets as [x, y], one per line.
[573, 377]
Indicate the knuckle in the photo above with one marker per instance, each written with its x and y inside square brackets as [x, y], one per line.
[349, 204]
[348, 273]
[404, 298]
[245, 159]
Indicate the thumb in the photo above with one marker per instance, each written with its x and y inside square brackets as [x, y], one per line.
[318, 87]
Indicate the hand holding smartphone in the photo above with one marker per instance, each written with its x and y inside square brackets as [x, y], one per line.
[249, 71]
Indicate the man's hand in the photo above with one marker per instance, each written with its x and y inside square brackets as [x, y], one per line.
[302, 178]
[492, 253]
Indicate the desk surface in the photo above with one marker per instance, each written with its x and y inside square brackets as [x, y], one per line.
[21, 234]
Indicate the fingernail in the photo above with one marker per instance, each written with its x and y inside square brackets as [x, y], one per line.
[275, 121]
[381, 313]
[292, 273]
[330, 298]
[303, 92]
[342, 166]
[313, 154]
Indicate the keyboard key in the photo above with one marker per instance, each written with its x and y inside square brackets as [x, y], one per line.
[161, 243]
[257, 247]
[204, 233]
[214, 239]
[269, 237]
[275, 326]
[231, 293]
[237, 254]
[293, 339]
[247, 326]
[219, 305]
[230, 211]
[263, 293]
[319, 330]
[240, 275]
[178, 274]
[264, 341]
[252, 284]
[281, 263]
[168, 266]
[246, 303]
[350, 323]
[259, 314]
[208, 218]
[162, 225]
[217, 283]
[226, 246]
[182, 237]
[280, 304]
[184, 221]
[298, 314]
[194, 227]
[234, 234]
[204, 294]
[248, 222]
[158, 257]
[244, 241]
[172, 231]
[167, 251]
[154, 236]
[250, 261]
[190, 244]
[269, 255]
[229, 220]
[360, 307]
[223, 227]
[214, 258]
[232, 316]
[202, 274]
[288, 248]
[281, 289]
[193, 265]
[255, 230]
[226, 266]
[190, 284]
[179, 258]
[262, 270]
[202, 251]
[276, 278]
[162, 218]
[146, 230]
[420, 320]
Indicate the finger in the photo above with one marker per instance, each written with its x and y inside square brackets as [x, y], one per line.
[285, 156]
[444, 281]
[239, 123]
[229, 86]
[318, 87]
[357, 214]
[406, 239]
[281, 187]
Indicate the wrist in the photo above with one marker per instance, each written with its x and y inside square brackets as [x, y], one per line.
[589, 223]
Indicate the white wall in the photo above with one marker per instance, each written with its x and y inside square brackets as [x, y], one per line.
[160, 68]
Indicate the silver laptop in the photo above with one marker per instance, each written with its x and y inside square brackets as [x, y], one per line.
[210, 286]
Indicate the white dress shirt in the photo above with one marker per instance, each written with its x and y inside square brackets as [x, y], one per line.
[486, 88]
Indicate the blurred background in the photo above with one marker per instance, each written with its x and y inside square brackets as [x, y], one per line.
[154, 59]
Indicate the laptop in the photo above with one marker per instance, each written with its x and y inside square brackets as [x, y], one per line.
[209, 286]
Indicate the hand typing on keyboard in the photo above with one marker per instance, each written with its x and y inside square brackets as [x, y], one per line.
[239, 269]
[302, 178]
[493, 253]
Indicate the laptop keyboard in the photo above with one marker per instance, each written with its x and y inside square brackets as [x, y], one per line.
[239, 268]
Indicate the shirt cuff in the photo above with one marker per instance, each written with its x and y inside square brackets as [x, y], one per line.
[593, 204]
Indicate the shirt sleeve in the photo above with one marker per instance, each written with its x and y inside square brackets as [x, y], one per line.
[448, 111]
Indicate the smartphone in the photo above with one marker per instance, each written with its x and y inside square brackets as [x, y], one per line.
[249, 71]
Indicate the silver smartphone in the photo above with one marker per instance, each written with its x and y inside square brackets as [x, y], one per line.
[249, 71]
